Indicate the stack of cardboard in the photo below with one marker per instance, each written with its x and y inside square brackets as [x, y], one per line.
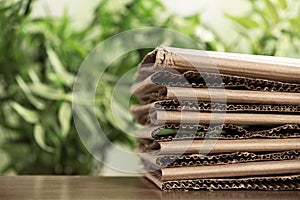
[218, 120]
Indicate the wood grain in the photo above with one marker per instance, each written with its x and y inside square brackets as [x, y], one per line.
[85, 187]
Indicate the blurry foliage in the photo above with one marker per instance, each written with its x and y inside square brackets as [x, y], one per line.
[38, 61]
[40, 57]
[270, 27]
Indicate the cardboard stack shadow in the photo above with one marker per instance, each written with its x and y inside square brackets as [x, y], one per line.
[218, 120]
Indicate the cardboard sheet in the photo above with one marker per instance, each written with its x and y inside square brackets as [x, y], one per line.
[147, 95]
[219, 146]
[212, 80]
[265, 67]
[175, 105]
[283, 182]
[186, 160]
[142, 112]
[231, 170]
[219, 120]
[169, 132]
[186, 117]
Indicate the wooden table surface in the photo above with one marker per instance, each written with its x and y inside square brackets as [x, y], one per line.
[88, 187]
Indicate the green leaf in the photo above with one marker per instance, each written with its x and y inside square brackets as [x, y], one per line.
[194, 19]
[33, 76]
[39, 136]
[34, 101]
[57, 65]
[271, 11]
[295, 22]
[283, 4]
[48, 92]
[28, 115]
[64, 116]
[261, 13]
[245, 22]
[76, 46]
[53, 77]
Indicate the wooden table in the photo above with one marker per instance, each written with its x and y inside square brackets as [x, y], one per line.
[86, 187]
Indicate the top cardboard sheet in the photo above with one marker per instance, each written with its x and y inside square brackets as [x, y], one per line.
[254, 66]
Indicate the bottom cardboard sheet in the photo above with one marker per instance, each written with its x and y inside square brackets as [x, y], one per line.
[250, 169]
[285, 182]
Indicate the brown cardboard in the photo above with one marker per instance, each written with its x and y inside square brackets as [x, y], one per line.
[232, 170]
[219, 146]
[233, 96]
[188, 160]
[213, 80]
[265, 67]
[147, 95]
[186, 117]
[283, 182]
[255, 98]
[175, 105]
[224, 131]
[141, 112]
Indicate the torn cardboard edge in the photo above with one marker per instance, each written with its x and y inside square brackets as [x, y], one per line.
[284, 182]
[214, 146]
[265, 67]
[188, 160]
[224, 131]
[159, 117]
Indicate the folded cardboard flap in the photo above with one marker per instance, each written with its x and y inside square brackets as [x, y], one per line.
[265, 67]
[219, 146]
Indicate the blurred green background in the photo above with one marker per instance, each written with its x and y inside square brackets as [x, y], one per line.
[41, 53]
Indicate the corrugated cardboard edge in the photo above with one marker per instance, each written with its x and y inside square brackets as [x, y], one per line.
[266, 168]
[219, 146]
[187, 160]
[219, 95]
[166, 77]
[157, 182]
[142, 112]
[176, 105]
[149, 132]
[275, 68]
[290, 182]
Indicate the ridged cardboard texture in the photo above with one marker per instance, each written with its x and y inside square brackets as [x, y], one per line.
[187, 160]
[224, 131]
[218, 120]
[262, 67]
[142, 112]
[219, 146]
[285, 182]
